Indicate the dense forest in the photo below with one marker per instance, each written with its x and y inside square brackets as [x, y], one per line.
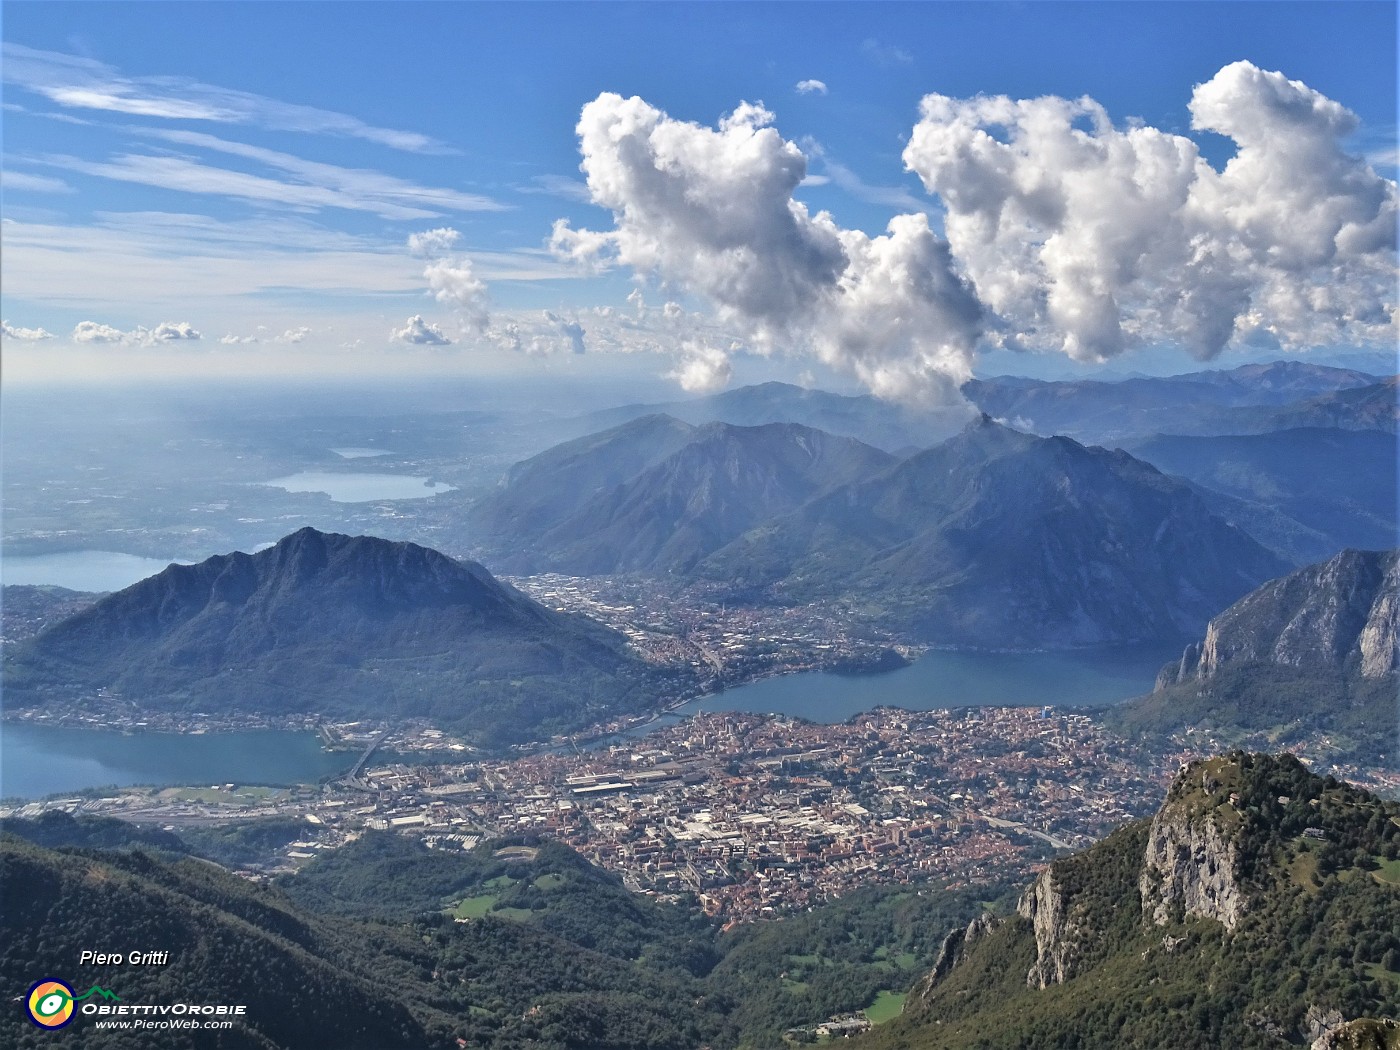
[515, 943]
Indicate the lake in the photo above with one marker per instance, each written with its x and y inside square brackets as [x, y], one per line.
[80, 570]
[360, 488]
[950, 679]
[43, 760]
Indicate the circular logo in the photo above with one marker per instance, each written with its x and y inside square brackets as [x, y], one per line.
[50, 1004]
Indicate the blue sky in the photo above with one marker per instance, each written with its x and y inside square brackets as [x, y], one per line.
[252, 173]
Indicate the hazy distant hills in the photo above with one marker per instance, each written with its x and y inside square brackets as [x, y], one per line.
[1316, 651]
[1336, 488]
[1158, 937]
[1250, 399]
[354, 626]
[1245, 400]
[1371, 407]
[880, 423]
[1002, 539]
[658, 496]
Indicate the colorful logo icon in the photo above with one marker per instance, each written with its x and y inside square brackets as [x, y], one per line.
[50, 1003]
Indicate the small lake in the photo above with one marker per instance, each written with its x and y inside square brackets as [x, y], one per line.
[949, 679]
[360, 488]
[360, 453]
[80, 570]
[44, 760]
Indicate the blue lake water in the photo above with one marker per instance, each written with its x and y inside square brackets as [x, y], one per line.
[83, 570]
[951, 679]
[360, 488]
[43, 760]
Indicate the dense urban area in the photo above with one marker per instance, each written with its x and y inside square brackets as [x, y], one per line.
[754, 814]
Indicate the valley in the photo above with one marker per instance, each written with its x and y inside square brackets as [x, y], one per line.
[754, 673]
[632, 526]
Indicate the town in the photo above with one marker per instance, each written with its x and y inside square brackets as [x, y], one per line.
[754, 815]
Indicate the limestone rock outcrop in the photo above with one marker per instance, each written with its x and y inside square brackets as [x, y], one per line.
[1191, 868]
[1045, 904]
[1343, 613]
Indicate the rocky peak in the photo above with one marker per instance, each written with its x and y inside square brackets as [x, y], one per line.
[1191, 868]
[1343, 614]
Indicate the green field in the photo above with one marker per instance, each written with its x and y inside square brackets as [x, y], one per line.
[887, 1005]
[474, 907]
[1389, 871]
[549, 881]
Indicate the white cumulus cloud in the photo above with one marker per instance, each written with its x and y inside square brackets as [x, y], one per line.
[431, 244]
[174, 331]
[712, 210]
[452, 279]
[420, 332]
[1089, 238]
[24, 335]
[702, 369]
[453, 282]
[163, 334]
[95, 332]
[811, 87]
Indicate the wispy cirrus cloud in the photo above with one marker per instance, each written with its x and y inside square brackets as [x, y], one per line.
[23, 181]
[558, 186]
[885, 54]
[83, 83]
[299, 183]
[165, 258]
[843, 177]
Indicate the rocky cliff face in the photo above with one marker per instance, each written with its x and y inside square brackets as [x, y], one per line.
[954, 948]
[1044, 903]
[1230, 871]
[1187, 864]
[1379, 642]
[1362, 1034]
[1191, 868]
[1343, 614]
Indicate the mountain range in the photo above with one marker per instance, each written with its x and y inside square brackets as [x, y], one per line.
[657, 495]
[343, 626]
[1314, 653]
[885, 425]
[1248, 399]
[992, 539]
[1305, 493]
